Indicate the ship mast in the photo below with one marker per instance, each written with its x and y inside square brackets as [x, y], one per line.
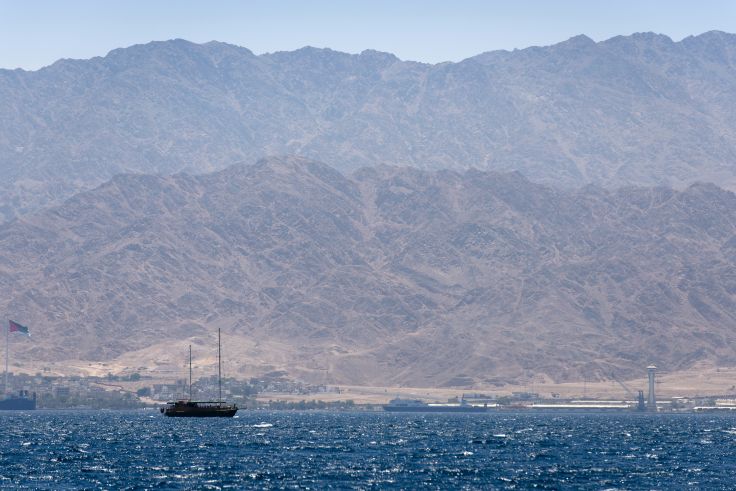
[190, 372]
[219, 369]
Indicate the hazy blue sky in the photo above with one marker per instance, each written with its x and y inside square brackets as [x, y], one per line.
[34, 33]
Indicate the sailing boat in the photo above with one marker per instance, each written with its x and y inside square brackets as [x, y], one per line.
[187, 408]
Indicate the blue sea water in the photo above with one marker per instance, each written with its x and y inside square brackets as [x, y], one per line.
[317, 450]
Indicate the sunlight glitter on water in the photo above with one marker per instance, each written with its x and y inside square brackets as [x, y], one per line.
[50, 450]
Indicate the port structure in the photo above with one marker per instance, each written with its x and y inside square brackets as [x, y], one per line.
[629, 392]
[651, 400]
[639, 397]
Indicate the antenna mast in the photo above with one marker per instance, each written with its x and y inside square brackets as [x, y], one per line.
[190, 372]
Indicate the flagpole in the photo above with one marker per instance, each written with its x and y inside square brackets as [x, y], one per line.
[219, 369]
[7, 340]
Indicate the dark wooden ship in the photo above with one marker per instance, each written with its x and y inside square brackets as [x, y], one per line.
[199, 409]
[187, 408]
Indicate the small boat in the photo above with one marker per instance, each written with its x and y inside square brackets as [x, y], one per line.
[187, 408]
[20, 402]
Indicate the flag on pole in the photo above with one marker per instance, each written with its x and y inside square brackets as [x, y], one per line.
[15, 327]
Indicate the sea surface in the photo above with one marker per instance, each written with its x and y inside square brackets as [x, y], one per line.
[317, 450]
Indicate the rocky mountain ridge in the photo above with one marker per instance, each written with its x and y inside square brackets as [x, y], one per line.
[385, 276]
[631, 110]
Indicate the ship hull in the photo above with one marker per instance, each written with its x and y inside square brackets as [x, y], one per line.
[225, 413]
[435, 409]
[17, 404]
[185, 409]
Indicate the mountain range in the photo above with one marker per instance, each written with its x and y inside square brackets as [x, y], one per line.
[382, 276]
[632, 110]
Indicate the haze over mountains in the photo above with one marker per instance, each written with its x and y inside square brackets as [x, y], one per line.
[630, 110]
[383, 276]
[545, 213]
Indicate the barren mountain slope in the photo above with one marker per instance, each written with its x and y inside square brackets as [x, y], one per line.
[388, 276]
[630, 110]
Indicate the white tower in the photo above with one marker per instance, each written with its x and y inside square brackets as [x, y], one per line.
[651, 400]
